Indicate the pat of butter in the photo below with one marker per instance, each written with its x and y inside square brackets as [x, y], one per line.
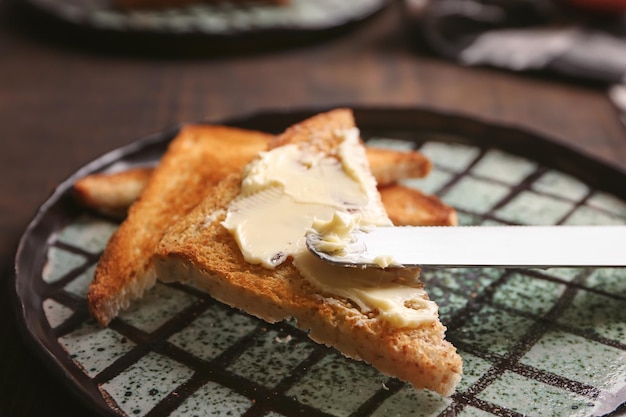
[286, 188]
[336, 233]
[385, 261]
[292, 188]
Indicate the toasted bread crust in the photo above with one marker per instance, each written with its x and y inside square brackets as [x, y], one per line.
[122, 277]
[319, 131]
[113, 193]
[208, 257]
[125, 269]
[201, 251]
[390, 166]
[410, 207]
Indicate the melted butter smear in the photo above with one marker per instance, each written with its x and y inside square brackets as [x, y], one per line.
[371, 289]
[289, 188]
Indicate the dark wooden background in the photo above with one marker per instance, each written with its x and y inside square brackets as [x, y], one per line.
[63, 103]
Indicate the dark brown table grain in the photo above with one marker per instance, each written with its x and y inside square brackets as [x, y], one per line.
[63, 103]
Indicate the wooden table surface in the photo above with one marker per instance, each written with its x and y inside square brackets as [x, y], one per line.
[63, 104]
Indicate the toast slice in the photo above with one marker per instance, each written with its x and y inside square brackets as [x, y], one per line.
[390, 166]
[410, 207]
[113, 193]
[197, 159]
[201, 251]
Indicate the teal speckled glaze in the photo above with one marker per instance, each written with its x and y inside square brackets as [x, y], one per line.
[473, 369]
[142, 385]
[470, 411]
[587, 215]
[536, 209]
[412, 403]
[79, 285]
[271, 357]
[561, 185]
[534, 398]
[475, 195]
[432, 183]
[608, 280]
[608, 203]
[538, 342]
[528, 294]
[503, 167]
[337, 386]
[93, 347]
[468, 219]
[469, 282]
[59, 263]
[213, 400]
[564, 274]
[387, 143]
[453, 156]
[554, 346]
[213, 332]
[598, 314]
[157, 306]
[449, 303]
[88, 233]
[494, 330]
[56, 313]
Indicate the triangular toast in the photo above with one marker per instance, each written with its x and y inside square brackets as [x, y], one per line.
[197, 159]
[410, 207]
[113, 193]
[199, 250]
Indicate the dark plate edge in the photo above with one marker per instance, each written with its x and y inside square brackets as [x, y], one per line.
[191, 43]
[258, 120]
[511, 137]
[25, 326]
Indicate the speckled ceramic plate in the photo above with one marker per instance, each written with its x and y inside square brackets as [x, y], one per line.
[207, 27]
[534, 342]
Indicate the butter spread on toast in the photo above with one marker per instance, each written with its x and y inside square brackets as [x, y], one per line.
[287, 187]
[336, 234]
[292, 187]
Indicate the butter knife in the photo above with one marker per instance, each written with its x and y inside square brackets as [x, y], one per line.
[480, 246]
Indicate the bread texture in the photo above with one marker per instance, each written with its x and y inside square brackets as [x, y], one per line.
[408, 207]
[197, 159]
[113, 193]
[390, 166]
[200, 251]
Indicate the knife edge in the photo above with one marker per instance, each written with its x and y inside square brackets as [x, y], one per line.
[481, 246]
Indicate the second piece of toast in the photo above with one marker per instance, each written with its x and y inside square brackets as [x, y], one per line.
[197, 159]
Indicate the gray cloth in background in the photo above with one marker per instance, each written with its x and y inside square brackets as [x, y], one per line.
[527, 35]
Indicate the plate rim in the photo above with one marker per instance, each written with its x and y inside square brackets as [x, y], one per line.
[56, 365]
[172, 42]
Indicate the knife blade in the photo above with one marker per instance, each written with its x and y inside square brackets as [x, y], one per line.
[480, 246]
